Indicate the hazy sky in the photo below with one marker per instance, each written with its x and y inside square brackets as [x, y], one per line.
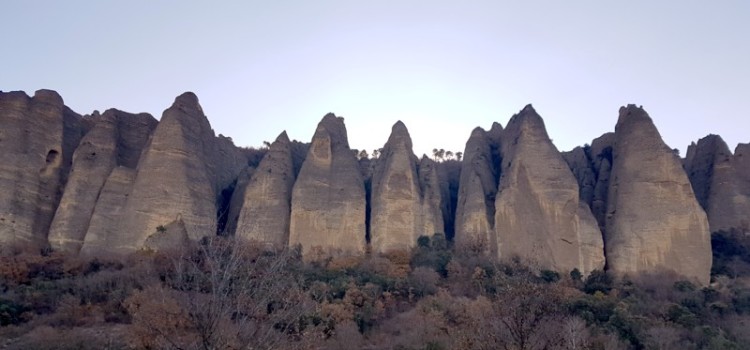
[260, 67]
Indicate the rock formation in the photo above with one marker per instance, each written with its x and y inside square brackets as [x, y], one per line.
[37, 140]
[267, 198]
[328, 198]
[718, 183]
[400, 212]
[475, 208]
[538, 215]
[116, 139]
[174, 191]
[654, 222]
[434, 198]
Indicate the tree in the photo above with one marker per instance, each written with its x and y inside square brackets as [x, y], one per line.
[363, 155]
[441, 154]
[435, 154]
[222, 294]
[459, 155]
[449, 154]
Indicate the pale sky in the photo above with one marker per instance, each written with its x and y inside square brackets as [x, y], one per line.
[442, 67]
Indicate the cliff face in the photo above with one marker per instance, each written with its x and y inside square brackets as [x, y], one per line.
[654, 221]
[116, 139]
[538, 215]
[37, 140]
[266, 208]
[406, 204]
[720, 182]
[119, 182]
[328, 198]
[475, 210]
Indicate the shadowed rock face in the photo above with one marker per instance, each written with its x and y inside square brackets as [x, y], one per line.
[538, 215]
[116, 138]
[719, 186]
[400, 213]
[267, 198]
[434, 198]
[654, 222]
[328, 198]
[37, 140]
[475, 208]
[179, 176]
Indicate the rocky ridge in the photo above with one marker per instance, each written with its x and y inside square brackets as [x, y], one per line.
[118, 182]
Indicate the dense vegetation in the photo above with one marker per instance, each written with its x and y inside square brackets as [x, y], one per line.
[224, 295]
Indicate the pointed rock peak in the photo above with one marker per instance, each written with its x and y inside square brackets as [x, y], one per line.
[332, 120]
[633, 112]
[715, 142]
[478, 132]
[49, 96]
[528, 109]
[399, 134]
[399, 128]
[187, 98]
[496, 127]
[742, 149]
[283, 138]
[333, 127]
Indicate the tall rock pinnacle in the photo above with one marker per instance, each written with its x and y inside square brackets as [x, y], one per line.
[38, 136]
[328, 198]
[717, 179]
[399, 213]
[174, 190]
[116, 139]
[538, 215]
[475, 209]
[268, 196]
[654, 222]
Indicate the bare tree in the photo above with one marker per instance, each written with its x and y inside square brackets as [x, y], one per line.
[223, 295]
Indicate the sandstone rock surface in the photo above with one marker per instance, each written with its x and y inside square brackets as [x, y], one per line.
[475, 208]
[116, 138]
[328, 198]
[715, 174]
[37, 138]
[400, 213]
[654, 222]
[538, 215]
[267, 198]
[178, 179]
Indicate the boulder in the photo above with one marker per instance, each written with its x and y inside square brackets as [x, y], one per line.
[654, 222]
[266, 208]
[328, 198]
[538, 214]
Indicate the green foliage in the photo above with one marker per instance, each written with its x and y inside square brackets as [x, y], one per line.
[576, 275]
[598, 281]
[549, 276]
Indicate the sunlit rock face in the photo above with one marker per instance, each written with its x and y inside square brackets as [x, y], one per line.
[405, 204]
[538, 214]
[38, 136]
[115, 139]
[654, 222]
[172, 195]
[266, 208]
[328, 198]
[719, 183]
